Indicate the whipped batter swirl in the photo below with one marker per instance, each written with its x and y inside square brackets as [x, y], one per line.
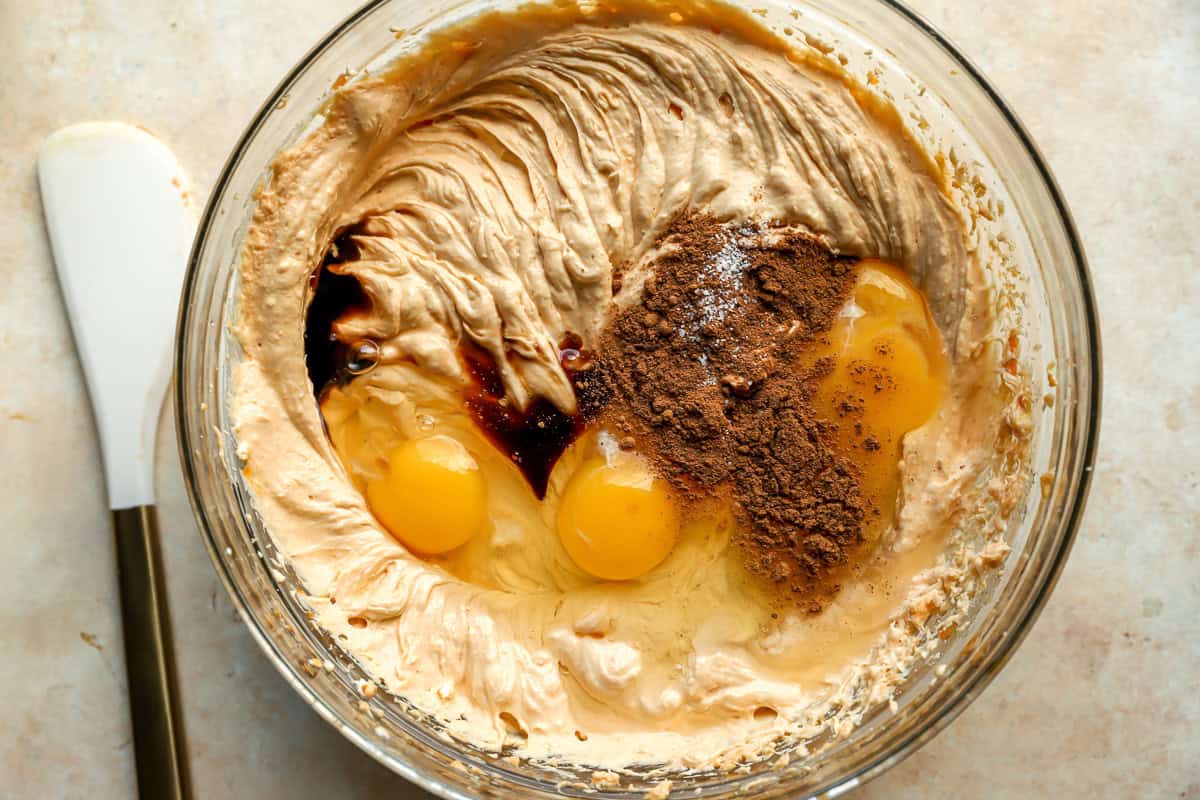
[497, 180]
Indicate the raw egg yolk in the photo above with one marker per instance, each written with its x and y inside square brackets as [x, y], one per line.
[888, 378]
[616, 520]
[431, 497]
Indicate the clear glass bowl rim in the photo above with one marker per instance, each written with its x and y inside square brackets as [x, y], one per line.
[966, 692]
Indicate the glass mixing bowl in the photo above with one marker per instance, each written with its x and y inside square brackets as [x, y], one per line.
[955, 112]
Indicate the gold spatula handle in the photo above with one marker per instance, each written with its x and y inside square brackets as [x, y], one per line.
[158, 741]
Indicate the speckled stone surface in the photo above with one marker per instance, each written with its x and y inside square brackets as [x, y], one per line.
[1100, 701]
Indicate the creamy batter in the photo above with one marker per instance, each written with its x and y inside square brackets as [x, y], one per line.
[499, 178]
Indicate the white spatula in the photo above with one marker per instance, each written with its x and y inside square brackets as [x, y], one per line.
[120, 227]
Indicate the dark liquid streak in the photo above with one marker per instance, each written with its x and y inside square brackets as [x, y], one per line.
[535, 437]
[334, 296]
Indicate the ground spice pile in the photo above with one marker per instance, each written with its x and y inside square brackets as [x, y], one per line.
[709, 375]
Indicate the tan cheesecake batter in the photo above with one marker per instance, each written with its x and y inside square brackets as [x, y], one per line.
[512, 188]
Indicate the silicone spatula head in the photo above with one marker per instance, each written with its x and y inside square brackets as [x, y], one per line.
[120, 224]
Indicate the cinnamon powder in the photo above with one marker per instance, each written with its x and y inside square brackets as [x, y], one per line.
[708, 376]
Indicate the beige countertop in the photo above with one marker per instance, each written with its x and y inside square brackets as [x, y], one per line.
[1101, 699]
